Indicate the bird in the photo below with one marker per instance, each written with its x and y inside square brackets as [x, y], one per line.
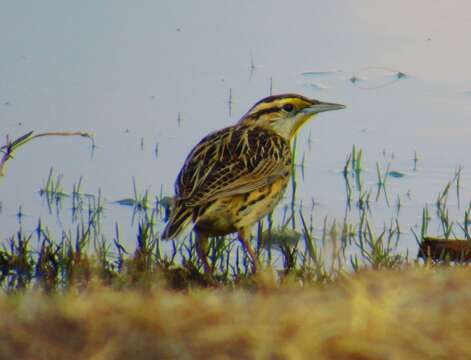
[236, 175]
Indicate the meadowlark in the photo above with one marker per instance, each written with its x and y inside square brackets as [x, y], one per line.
[235, 176]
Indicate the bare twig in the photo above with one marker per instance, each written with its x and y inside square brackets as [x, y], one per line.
[11, 146]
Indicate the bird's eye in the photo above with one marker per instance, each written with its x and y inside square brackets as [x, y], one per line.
[288, 107]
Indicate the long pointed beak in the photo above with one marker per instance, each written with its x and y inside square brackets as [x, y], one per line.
[320, 106]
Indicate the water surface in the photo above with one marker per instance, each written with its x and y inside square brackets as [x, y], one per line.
[163, 74]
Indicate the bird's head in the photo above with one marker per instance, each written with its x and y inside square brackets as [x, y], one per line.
[285, 113]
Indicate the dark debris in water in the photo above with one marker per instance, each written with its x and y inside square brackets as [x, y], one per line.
[396, 174]
[401, 75]
[354, 79]
[126, 202]
[320, 73]
[445, 250]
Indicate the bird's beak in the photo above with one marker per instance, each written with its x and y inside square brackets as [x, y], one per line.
[319, 106]
[307, 113]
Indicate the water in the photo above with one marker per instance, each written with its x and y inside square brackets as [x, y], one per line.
[162, 74]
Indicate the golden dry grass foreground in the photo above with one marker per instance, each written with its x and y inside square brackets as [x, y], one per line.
[406, 314]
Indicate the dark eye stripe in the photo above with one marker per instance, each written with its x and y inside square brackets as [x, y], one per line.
[259, 113]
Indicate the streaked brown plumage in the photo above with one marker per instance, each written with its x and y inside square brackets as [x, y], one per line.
[235, 176]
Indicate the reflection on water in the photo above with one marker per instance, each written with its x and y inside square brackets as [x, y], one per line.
[151, 81]
[369, 78]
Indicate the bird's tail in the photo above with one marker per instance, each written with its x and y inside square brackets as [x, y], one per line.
[179, 219]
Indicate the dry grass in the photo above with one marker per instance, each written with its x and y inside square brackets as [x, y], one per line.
[401, 314]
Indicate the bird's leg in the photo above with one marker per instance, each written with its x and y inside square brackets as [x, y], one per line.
[202, 250]
[244, 238]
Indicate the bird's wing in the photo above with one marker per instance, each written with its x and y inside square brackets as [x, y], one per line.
[231, 161]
